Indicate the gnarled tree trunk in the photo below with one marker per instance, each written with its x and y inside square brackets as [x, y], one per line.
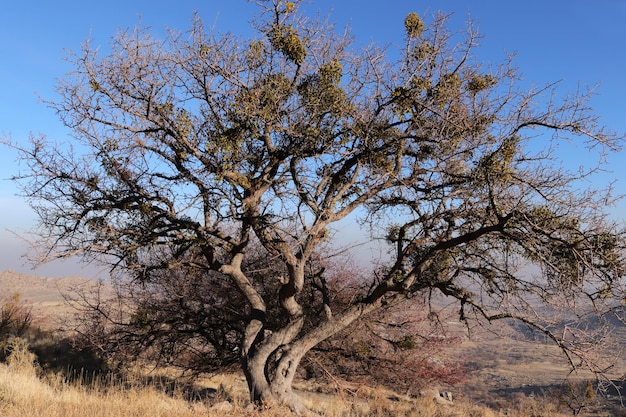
[271, 363]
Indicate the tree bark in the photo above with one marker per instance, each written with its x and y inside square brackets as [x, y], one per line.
[271, 380]
[271, 365]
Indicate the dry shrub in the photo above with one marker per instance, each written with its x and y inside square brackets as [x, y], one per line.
[15, 318]
[19, 357]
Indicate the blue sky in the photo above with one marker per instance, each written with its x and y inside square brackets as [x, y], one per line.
[577, 41]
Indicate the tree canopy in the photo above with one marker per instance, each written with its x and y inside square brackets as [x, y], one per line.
[190, 153]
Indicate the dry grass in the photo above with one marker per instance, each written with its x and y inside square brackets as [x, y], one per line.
[24, 392]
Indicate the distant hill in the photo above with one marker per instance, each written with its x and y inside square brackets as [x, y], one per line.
[44, 294]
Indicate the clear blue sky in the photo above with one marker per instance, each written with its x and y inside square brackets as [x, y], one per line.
[577, 41]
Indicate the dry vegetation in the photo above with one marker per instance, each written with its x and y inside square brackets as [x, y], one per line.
[25, 391]
[35, 381]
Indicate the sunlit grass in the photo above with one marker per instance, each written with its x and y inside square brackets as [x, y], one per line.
[25, 392]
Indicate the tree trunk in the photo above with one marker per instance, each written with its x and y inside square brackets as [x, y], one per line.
[270, 379]
[271, 364]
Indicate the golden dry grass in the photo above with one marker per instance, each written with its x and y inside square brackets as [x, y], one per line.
[24, 392]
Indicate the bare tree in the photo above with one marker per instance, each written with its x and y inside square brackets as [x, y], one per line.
[188, 149]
